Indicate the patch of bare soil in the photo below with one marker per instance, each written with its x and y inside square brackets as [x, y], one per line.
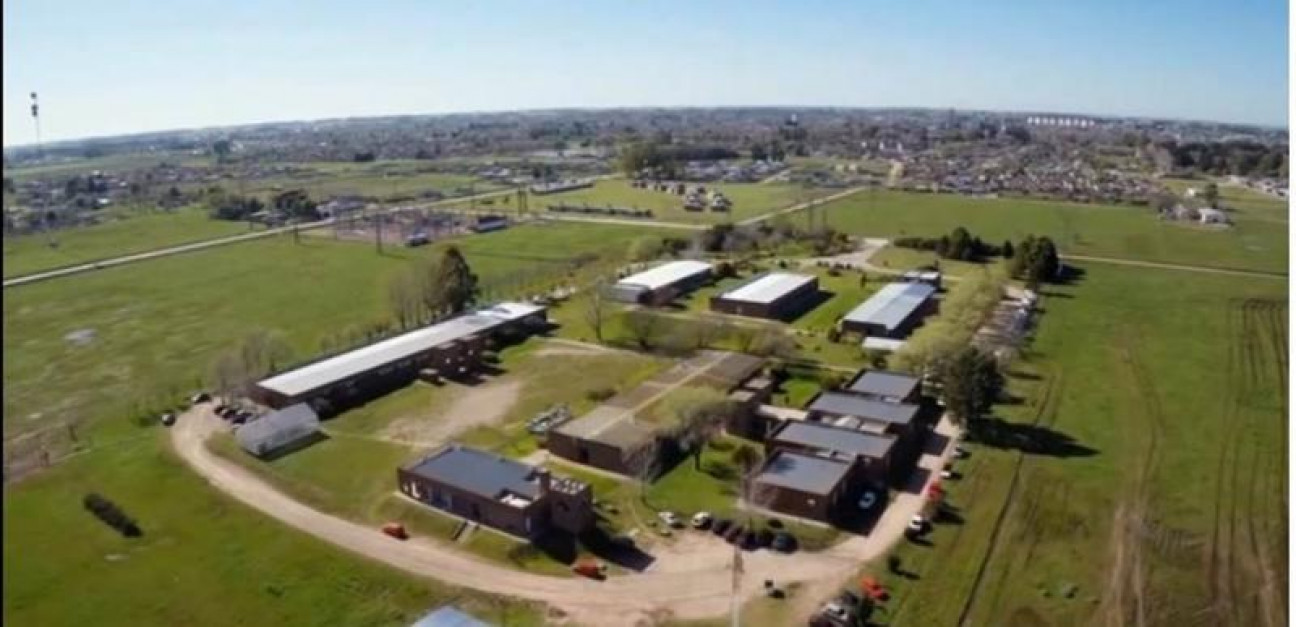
[478, 405]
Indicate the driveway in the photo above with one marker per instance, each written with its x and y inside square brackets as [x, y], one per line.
[692, 586]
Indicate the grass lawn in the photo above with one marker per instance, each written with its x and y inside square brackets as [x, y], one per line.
[901, 259]
[749, 200]
[1098, 230]
[1160, 433]
[158, 325]
[31, 253]
[203, 560]
[374, 181]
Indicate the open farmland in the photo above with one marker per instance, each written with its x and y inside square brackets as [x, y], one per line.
[1125, 486]
[1096, 230]
[155, 327]
[384, 179]
[749, 200]
[25, 254]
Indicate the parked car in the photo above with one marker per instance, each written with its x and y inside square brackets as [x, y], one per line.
[395, 530]
[947, 474]
[784, 542]
[731, 536]
[701, 520]
[868, 499]
[590, 568]
[721, 526]
[917, 524]
[765, 538]
[201, 397]
[670, 519]
[747, 540]
[168, 419]
[960, 452]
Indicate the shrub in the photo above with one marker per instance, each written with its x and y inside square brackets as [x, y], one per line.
[111, 515]
[600, 394]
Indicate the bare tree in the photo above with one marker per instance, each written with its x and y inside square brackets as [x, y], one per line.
[701, 413]
[644, 327]
[709, 332]
[228, 375]
[263, 352]
[404, 299]
[595, 311]
[643, 462]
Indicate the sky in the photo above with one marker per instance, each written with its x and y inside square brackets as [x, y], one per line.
[130, 66]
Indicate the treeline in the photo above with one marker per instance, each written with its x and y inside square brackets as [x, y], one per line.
[1244, 158]
[1036, 261]
[433, 288]
[959, 245]
[663, 161]
[294, 204]
[728, 238]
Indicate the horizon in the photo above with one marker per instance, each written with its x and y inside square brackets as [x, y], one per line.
[240, 64]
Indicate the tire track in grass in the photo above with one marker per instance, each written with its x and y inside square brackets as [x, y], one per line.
[1215, 568]
[1045, 415]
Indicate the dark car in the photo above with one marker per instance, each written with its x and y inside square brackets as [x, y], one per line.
[721, 526]
[731, 536]
[748, 541]
[784, 542]
[201, 397]
[764, 538]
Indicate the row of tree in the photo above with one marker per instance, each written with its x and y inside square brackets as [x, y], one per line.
[664, 160]
[293, 204]
[959, 245]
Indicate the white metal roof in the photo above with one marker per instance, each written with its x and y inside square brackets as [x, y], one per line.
[666, 274]
[339, 367]
[892, 304]
[768, 288]
[882, 344]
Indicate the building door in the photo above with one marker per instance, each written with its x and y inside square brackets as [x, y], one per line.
[476, 512]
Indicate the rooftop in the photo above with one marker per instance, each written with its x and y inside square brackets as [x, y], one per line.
[884, 384]
[611, 425]
[892, 304]
[824, 437]
[363, 359]
[666, 274]
[845, 404]
[278, 428]
[768, 288]
[479, 472]
[806, 473]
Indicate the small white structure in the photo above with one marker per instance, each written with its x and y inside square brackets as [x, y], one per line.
[1208, 215]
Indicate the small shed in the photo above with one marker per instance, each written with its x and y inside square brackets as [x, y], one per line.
[278, 430]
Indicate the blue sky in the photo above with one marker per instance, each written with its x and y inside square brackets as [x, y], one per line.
[110, 68]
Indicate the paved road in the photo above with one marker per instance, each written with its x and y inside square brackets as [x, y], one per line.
[684, 583]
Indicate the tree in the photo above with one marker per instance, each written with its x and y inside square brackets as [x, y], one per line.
[295, 203]
[971, 381]
[263, 352]
[644, 327]
[457, 283]
[595, 309]
[227, 375]
[746, 457]
[1007, 249]
[221, 148]
[404, 299]
[1036, 260]
[758, 152]
[701, 414]
[644, 248]
[1211, 194]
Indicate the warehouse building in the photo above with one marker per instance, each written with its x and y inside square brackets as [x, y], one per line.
[852, 411]
[776, 295]
[449, 348]
[802, 485]
[279, 431]
[499, 492]
[892, 312]
[661, 284]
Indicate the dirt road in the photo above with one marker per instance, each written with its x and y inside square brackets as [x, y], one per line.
[695, 585]
[1175, 266]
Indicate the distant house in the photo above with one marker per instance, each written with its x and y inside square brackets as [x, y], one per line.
[491, 490]
[279, 430]
[1209, 215]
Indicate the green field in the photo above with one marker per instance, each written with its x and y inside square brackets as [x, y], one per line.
[32, 253]
[112, 163]
[203, 560]
[749, 200]
[1153, 412]
[1245, 202]
[1096, 230]
[159, 324]
[382, 179]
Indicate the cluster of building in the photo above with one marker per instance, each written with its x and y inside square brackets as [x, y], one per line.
[732, 172]
[557, 187]
[1201, 215]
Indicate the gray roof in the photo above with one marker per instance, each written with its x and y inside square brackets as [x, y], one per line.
[668, 273]
[806, 473]
[768, 288]
[826, 438]
[892, 304]
[885, 384]
[277, 429]
[844, 404]
[610, 425]
[449, 616]
[340, 367]
[478, 472]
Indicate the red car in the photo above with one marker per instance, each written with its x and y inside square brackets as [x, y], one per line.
[395, 530]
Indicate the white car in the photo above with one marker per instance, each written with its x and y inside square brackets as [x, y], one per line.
[917, 523]
[960, 452]
[947, 474]
[868, 500]
[670, 519]
[701, 520]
